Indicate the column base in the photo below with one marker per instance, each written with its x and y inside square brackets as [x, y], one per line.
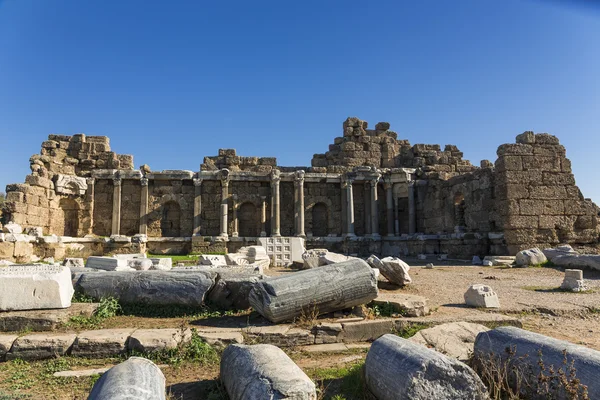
[223, 236]
[263, 234]
[302, 235]
[234, 234]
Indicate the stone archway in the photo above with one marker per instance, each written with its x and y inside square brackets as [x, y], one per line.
[320, 219]
[70, 217]
[170, 221]
[249, 220]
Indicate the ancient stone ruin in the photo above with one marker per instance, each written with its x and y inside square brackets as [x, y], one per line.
[369, 193]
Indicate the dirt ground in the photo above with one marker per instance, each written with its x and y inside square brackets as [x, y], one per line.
[529, 294]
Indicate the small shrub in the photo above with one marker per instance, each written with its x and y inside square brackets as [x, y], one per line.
[196, 350]
[108, 307]
[383, 309]
[308, 317]
[409, 330]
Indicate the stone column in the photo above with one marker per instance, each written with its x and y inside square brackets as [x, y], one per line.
[197, 228]
[144, 207]
[344, 222]
[389, 204]
[374, 211]
[116, 211]
[299, 179]
[412, 211]
[347, 182]
[235, 216]
[367, 197]
[263, 217]
[275, 216]
[224, 202]
[91, 182]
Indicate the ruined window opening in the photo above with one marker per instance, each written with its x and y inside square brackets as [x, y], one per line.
[170, 223]
[320, 215]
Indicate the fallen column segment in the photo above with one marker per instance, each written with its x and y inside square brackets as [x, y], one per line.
[321, 290]
[137, 378]
[398, 368]
[263, 371]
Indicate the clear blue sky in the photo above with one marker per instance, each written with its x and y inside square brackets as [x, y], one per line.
[173, 81]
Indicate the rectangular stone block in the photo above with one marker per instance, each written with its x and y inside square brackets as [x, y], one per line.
[283, 251]
[108, 263]
[558, 178]
[521, 221]
[33, 287]
[574, 274]
[541, 207]
[367, 330]
[102, 343]
[39, 346]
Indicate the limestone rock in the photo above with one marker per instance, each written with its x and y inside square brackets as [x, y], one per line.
[137, 378]
[531, 257]
[322, 290]
[263, 371]
[333, 258]
[140, 264]
[33, 287]
[574, 281]
[312, 257]
[102, 343]
[394, 269]
[74, 263]
[591, 261]
[563, 249]
[161, 264]
[398, 366]
[13, 228]
[148, 340]
[454, 339]
[408, 305]
[148, 287]
[39, 346]
[6, 342]
[108, 263]
[479, 295]
[34, 231]
[429, 266]
[231, 289]
[491, 347]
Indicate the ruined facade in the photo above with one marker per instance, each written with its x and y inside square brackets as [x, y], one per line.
[369, 192]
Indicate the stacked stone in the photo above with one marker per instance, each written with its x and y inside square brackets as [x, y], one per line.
[228, 158]
[538, 203]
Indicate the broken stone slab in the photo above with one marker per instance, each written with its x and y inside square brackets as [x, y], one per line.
[591, 261]
[483, 296]
[209, 259]
[137, 378]
[231, 290]
[39, 346]
[149, 340]
[102, 342]
[311, 258]
[221, 339]
[282, 335]
[530, 257]
[161, 264]
[395, 365]
[367, 330]
[327, 332]
[74, 263]
[573, 281]
[130, 256]
[80, 373]
[6, 342]
[564, 249]
[501, 261]
[315, 291]
[333, 258]
[43, 320]
[407, 305]
[149, 287]
[34, 287]
[13, 228]
[140, 264]
[263, 371]
[394, 269]
[326, 348]
[108, 263]
[526, 347]
[455, 339]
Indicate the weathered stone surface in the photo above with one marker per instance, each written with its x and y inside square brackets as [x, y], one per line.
[39, 346]
[222, 339]
[455, 339]
[333, 258]
[395, 365]
[283, 251]
[408, 305]
[263, 372]
[366, 330]
[327, 333]
[231, 289]
[526, 347]
[281, 335]
[479, 295]
[322, 290]
[43, 320]
[108, 263]
[140, 264]
[573, 281]
[561, 250]
[13, 228]
[6, 342]
[531, 257]
[148, 287]
[148, 340]
[312, 258]
[136, 378]
[161, 264]
[30, 287]
[74, 263]
[101, 343]
[591, 261]
[394, 269]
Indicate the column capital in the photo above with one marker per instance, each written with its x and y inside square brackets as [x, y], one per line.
[299, 177]
[275, 177]
[197, 181]
[117, 181]
[347, 180]
[90, 181]
[224, 177]
[144, 181]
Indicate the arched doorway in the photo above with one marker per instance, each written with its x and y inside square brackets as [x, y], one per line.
[70, 216]
[249, 220]
[320, 218]
[170, 222]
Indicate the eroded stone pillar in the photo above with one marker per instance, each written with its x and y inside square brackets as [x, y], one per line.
[224, 201]
[144, 207]
[116, 211]
[263, 217]
[412, 211]
[299, 179]
[389, 203]
[235, 233]
[197, 207]
[91, 182]
[347, 184]
[374, 211]
[275, 212]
